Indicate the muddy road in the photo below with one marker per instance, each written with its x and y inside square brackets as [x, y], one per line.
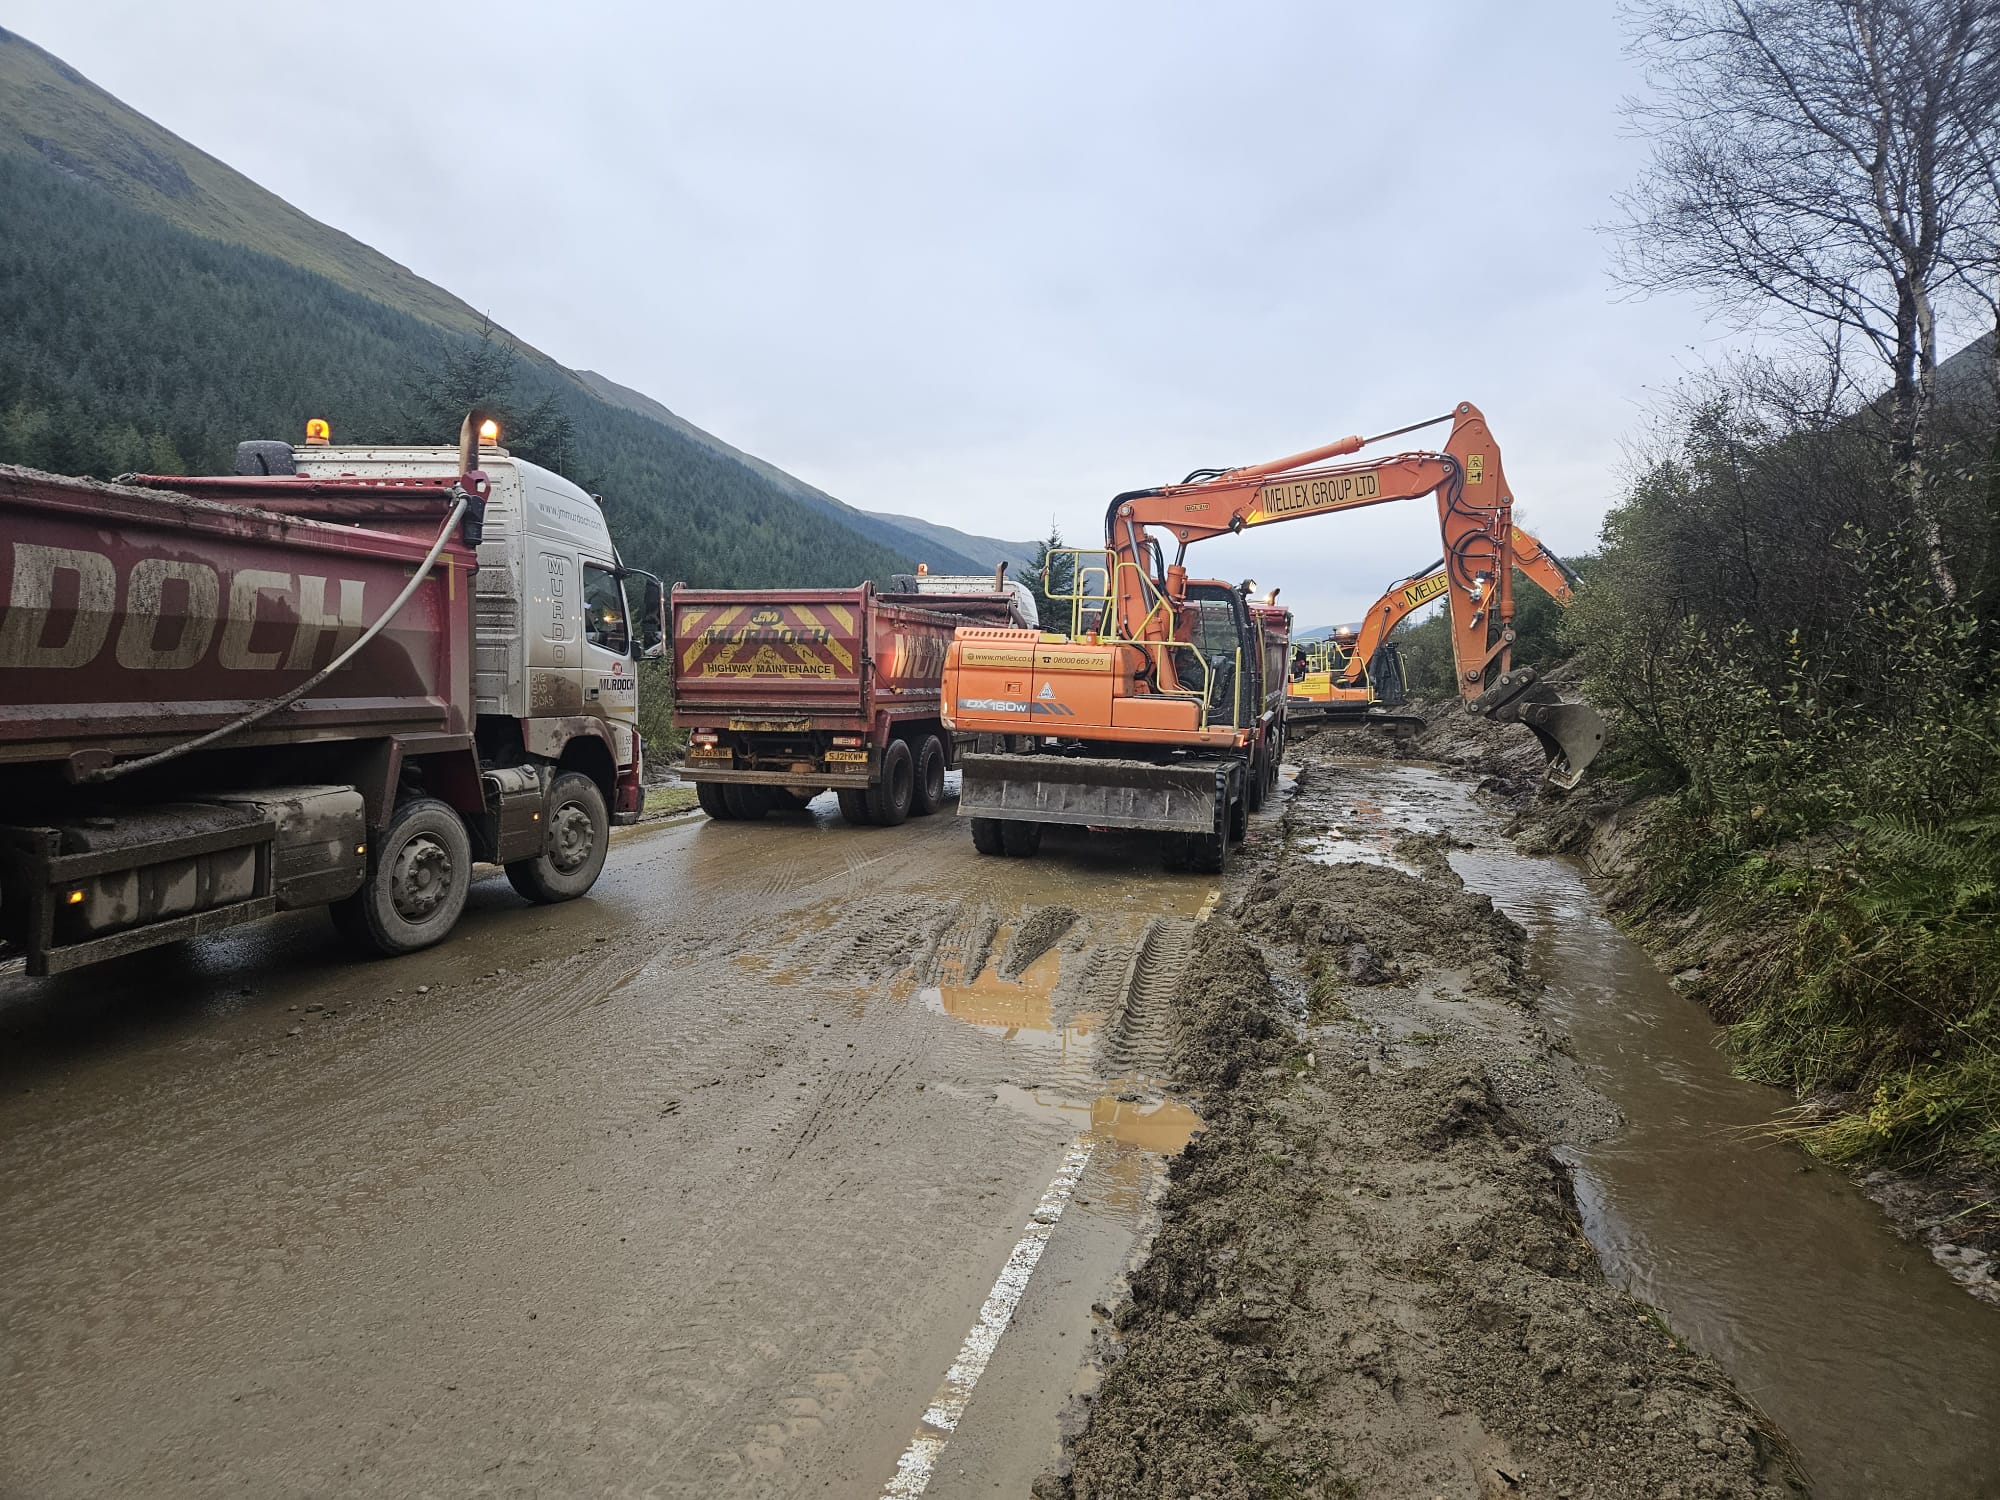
[809, 1160]
[717, 1182]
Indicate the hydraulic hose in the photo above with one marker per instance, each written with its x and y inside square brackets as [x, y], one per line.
[264, 710]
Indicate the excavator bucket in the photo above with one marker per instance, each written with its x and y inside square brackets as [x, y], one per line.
[1570, 733]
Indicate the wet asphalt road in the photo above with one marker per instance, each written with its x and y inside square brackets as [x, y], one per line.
[694, 1187]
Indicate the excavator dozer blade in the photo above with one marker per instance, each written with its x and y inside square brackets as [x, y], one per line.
[1570, 733]
[1190, 796]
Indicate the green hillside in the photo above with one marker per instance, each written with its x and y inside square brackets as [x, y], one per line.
[52, 114]
[156, 307]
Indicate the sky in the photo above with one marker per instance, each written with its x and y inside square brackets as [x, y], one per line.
[990, 263]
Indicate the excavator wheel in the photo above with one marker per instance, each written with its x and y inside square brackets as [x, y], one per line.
[1022, 840]
[1204, 853]
[986, 837]
[927, 796]
[709, 795]
[854, 805]
[1260, 778]
[1239, 819]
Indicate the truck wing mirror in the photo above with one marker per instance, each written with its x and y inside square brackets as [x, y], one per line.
[653, 618]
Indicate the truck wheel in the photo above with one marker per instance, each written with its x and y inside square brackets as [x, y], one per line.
[1021, 840]
[889, 799]
[1239, 819]
[579, 836]
[748, 803]
[854, 805]
[418, 873]
[986, 836]
[928, 794]
[709, 795]
[1259, 780]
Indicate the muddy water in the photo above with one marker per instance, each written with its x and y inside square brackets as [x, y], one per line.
[694, 1187]
[1883, 1373]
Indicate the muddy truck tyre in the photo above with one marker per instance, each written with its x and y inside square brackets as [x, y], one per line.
[418, 873]
[709, 795]
[577, 837]
[854, 805]
[747, 804]
[1259, 781]
[890, 798]
[986, 836]
[927, 794]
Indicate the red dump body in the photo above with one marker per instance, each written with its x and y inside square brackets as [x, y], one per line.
[773, 674]
[135, 618]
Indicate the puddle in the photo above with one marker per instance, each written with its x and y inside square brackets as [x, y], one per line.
[1132, 1115]
[1164, 1126]
[1881, 1370]
[1341, 848]
[1368, 832]
[1134, 1135]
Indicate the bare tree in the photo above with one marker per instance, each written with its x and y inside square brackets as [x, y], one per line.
[1831, 161]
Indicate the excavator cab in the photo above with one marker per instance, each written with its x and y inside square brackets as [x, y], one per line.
[1230, 643]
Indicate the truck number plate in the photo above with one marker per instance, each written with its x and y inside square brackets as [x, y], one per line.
[772, 726]
[851, 755]
[709, 752]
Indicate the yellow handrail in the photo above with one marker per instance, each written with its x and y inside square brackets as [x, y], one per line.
[1106, 629]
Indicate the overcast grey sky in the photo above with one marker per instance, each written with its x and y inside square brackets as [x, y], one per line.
[986, 263]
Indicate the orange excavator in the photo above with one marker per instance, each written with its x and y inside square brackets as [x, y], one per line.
[1153, 716]
[1355, 676]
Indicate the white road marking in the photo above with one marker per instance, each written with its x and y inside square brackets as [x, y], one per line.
[941, 1417]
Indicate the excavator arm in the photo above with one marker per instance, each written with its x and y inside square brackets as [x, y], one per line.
[1475, 522]
[1475, 517]
[1542, 567]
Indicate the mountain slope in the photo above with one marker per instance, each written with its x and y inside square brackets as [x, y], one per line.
[156, 306]
[51, 113]
[985, 551]
[945, 548]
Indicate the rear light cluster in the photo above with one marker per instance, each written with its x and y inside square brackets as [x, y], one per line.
[847, 742]
[703, 736]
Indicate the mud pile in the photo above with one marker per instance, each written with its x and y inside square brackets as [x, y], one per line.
[1370, 1277]
[1372, 924]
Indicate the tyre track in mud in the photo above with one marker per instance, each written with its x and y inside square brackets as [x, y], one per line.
[1141, 1036]
[691, 1188]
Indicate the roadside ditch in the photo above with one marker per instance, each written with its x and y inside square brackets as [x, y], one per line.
[1372, 1275]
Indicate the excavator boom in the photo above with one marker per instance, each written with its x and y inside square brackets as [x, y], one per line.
[1168, 684]
[1346, 688]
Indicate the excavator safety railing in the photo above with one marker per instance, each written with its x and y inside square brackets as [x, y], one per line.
[1093, 613]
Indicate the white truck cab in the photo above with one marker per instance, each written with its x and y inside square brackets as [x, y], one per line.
[556, 636]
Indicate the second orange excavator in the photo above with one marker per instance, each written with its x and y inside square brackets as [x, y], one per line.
[1154, 714]
[1355, 675]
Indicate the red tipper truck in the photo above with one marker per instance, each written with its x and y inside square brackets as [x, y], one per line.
[786, 692]
[337, 678]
